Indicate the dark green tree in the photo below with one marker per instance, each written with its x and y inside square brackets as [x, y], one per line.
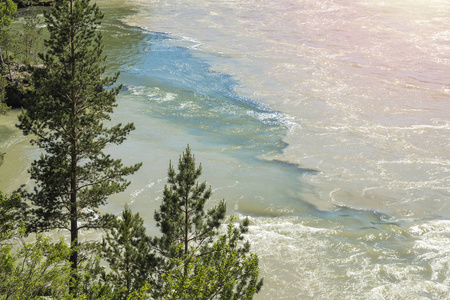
[11, 214]
[3, 106]
[201, 262]
[127, 250]
[182, 218]
[66, 116]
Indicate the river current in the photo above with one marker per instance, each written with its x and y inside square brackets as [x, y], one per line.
[326, 122]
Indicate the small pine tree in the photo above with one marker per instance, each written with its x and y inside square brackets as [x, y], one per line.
[227, 272]
[73, 176]
[182, 217]
[202, 263]
[127, 250]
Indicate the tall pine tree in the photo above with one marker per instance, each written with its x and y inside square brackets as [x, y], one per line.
[74, 176]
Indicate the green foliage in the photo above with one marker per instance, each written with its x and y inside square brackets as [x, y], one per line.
[28, 270]
[182, 217]
[66, 116]
[202, 264]
[11, 215]
[232, 266]
[228, 271]
[126, 248]
[41, 267]
[7, 11]
[91, 283]
[4, 108]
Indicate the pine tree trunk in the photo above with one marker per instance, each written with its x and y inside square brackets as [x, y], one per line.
[73, 243]
[8, 64]
[73, 181]
[73, 217]
[186, 219]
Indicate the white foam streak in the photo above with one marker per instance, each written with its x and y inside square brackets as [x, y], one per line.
[380, 266]
[136, 193]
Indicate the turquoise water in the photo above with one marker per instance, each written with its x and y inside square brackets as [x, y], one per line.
[329, 180]
[166, 84]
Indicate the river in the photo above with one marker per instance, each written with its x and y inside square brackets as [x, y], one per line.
[326, 122]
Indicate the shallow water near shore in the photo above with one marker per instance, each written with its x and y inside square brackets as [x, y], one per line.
[331, 137]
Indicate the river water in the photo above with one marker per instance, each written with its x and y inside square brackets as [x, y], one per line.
[326, 122]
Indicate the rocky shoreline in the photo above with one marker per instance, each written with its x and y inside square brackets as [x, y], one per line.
[19, 86]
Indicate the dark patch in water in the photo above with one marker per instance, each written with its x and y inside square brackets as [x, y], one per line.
[294, 166]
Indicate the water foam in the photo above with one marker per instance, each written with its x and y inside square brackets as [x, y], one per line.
[387, 263]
